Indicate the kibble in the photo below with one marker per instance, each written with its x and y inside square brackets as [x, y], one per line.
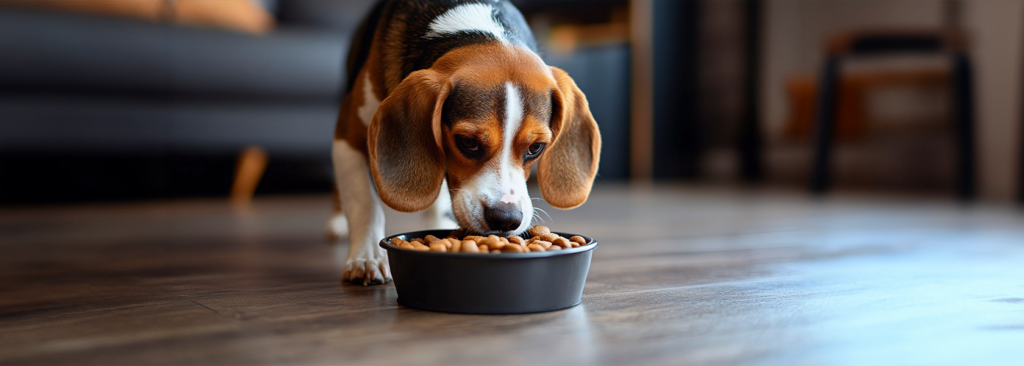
[562, 242]
[541, 240]
[549, 237]
[539, 230]
[512, 248]
[438, 247]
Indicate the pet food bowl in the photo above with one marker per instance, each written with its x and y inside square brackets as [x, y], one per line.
[471, 283]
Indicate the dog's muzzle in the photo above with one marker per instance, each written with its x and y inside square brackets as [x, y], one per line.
[503, 217]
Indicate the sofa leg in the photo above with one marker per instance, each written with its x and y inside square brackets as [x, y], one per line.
[252, 162]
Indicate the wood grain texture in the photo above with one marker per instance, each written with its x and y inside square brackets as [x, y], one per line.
[683, 275]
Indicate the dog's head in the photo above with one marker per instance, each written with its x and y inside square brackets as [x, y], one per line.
[481, 119]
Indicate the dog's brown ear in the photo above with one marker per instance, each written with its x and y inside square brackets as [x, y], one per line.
[566, 170]
[404, 142]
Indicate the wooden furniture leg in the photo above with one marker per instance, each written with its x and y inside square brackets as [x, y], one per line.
[252, 162]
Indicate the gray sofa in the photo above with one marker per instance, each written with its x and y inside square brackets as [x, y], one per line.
[81, 83]
[106, 94]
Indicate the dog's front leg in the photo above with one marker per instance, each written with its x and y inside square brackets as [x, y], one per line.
[366, 262]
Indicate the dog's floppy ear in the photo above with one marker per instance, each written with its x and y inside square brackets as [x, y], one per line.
[566, 170]
[404, 142]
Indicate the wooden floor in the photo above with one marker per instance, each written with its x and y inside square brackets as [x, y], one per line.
[683, 275]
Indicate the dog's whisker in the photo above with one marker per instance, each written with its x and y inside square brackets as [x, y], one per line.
[536, 215]
[545, 213]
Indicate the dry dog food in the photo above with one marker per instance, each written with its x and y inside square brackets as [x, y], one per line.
[542, 240]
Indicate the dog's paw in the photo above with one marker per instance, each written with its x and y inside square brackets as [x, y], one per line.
[336, 228]
[368, 269]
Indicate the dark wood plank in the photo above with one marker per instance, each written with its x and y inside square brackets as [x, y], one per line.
[683, 275]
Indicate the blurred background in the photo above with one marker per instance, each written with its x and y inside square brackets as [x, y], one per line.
[107, 100]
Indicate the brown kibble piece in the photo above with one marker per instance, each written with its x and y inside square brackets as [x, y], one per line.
[492, 242]
[536, 248]
[539, 230]
[517, 240]
[554, 247]
[417, 240]
[469, 246]
[495, 251]
[549, 237]
[562, 242]
[406, 245]
[447, 243]
[419, 246]
[484, 248]
[438, 246]
[543, 243]
[396, 241]
[431, 238]
[578, 240]
[512, 248]
[456, 244]
[476, 238]
[575, 245]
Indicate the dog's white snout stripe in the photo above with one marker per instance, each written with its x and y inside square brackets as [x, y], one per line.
[513, 119]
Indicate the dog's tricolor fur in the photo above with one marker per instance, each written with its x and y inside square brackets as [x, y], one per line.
[449, 104]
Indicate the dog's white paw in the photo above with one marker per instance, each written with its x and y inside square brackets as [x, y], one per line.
[367, 267]
[336, 228]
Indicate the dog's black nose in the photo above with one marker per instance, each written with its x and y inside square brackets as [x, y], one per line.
[503, 217]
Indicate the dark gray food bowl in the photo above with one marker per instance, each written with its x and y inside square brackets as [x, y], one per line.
[506, 283]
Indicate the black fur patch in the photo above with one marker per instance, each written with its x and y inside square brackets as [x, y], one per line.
[467, 102]
[420, 53]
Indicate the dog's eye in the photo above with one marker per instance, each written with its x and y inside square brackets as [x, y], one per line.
[468, 144]
[534, 150]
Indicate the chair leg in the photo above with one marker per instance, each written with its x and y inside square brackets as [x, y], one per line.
[964, 124]
[825, 130]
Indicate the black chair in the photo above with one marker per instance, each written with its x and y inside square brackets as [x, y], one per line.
[880, 43]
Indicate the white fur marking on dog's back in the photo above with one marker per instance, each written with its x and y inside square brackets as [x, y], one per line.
[370, 102]
[467, 18]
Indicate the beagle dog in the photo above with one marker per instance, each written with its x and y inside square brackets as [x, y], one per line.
[448, 107]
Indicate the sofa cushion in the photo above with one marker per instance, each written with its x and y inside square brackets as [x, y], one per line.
[239, 15]
[73, 53]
